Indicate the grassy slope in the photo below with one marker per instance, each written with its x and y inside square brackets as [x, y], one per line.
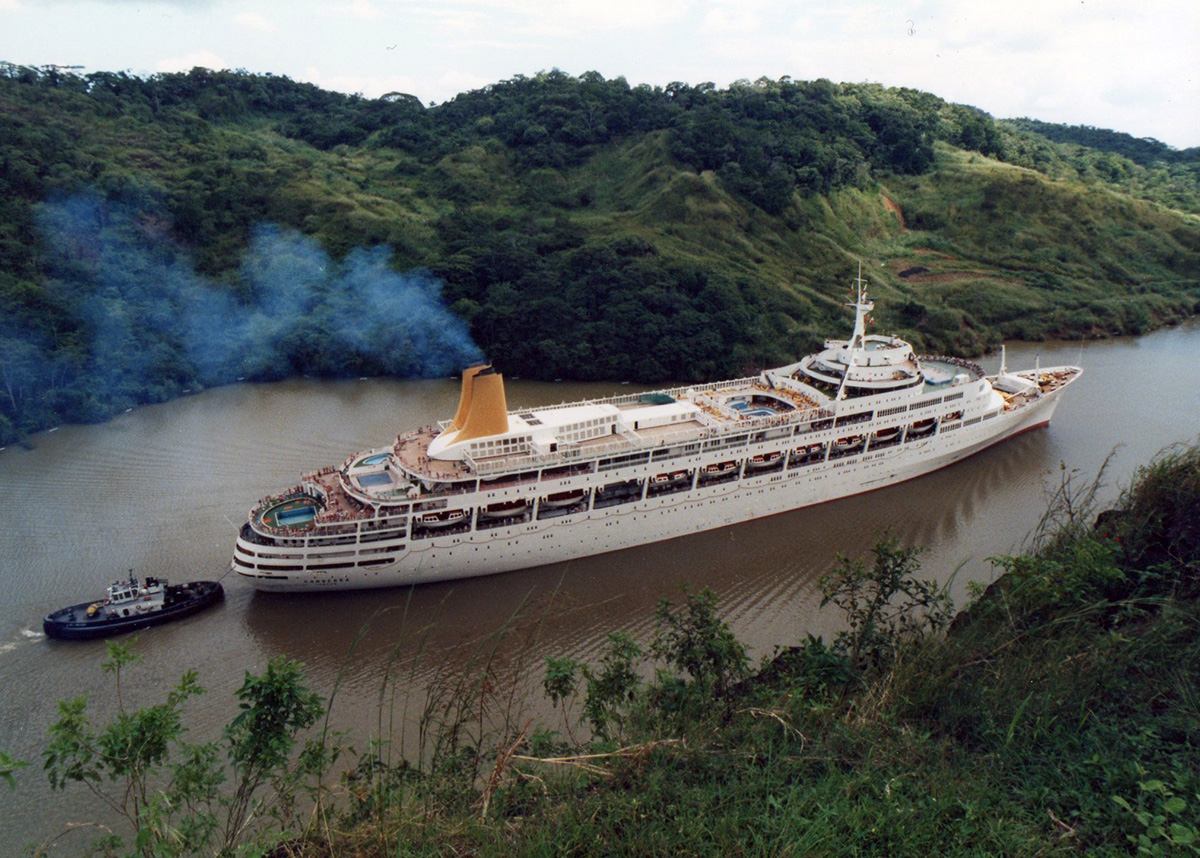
[1006, 252]
[1005, 227]
[997, 242]
[1060, 715]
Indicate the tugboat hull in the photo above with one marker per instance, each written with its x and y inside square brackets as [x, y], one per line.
[75, 623]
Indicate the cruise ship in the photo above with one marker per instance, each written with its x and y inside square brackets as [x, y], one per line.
[492, 490]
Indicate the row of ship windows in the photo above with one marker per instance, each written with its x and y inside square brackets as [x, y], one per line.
[691, 449]
[615, 462]
[323, 554]
[488, 448]
[631, 491]
[585, 425]
[319, 567]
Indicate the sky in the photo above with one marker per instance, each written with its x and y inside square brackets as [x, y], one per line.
[1128, 65]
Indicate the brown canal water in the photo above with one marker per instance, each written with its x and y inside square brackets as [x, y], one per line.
[162, 490]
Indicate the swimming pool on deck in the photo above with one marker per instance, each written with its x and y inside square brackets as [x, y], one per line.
[939, 373]
[296, 515]
[747, 410]
[383, 478]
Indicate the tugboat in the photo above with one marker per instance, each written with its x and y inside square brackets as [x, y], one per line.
[130, 605]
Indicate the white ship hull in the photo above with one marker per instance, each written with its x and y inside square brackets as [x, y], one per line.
[492, 490]
[551, 533]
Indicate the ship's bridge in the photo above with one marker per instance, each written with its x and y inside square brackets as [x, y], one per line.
[876, 351]
[871, 362]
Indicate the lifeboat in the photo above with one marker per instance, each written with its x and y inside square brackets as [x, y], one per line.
[808, 453]
[763, 460]
[719, 469]
[505, 509]
[561, 499]
[921, 427]
[445, 518]
[888, 434]
[848, 444]
[667, 479]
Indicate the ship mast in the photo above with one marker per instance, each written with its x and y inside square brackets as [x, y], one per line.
[862, 306]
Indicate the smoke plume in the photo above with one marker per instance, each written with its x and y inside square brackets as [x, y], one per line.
[150, 320]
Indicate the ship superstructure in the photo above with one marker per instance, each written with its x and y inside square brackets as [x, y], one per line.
[492, 490]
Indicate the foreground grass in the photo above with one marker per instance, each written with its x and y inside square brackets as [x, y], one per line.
[1059, 714]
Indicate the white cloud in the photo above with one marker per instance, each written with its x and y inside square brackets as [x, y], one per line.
[371, 86]
[586, 15]
[204, 59]
[452, 83]
[363, 10]
[735, 19]
[451, 21]
[568, 18]
[427, 87]
[254, 21]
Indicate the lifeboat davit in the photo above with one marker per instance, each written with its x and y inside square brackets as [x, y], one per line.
[810, 453]
[845, 445]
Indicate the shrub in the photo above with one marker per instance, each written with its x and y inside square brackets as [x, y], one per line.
[887, 608]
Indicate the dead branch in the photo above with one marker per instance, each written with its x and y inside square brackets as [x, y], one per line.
[583, 761]
[503, 755]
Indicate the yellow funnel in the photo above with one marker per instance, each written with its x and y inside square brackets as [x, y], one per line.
[487, 412]
[464, 398]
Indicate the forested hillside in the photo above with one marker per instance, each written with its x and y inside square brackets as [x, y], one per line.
[165, 234]
[1139, 166]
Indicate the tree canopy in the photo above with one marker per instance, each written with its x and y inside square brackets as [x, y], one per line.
[165, 233]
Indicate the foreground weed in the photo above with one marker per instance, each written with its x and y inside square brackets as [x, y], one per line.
[170, 791]
[707, 659]
[887, 608]
[1163, 824]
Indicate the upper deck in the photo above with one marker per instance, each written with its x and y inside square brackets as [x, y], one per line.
[485, 445]
[368, 489]
[562, 434]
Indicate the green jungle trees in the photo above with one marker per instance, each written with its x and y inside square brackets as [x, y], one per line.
[568, 227]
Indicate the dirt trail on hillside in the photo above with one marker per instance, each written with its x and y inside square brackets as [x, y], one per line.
[894, 208]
